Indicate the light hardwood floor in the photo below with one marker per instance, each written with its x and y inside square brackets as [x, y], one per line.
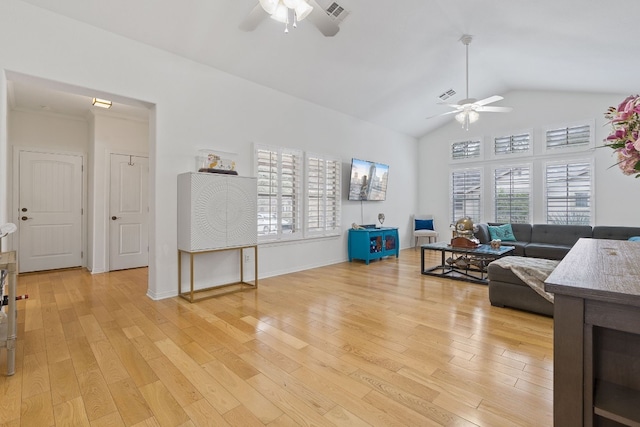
[344, 345]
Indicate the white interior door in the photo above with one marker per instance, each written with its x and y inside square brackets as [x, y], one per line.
[50, 205]
[129, 212]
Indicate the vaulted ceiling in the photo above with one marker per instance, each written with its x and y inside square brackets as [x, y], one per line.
[392, 59]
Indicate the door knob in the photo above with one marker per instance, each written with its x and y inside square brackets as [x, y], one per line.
[24, 209]
[24, 218]
[115, 217]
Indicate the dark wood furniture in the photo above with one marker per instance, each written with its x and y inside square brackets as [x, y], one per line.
[469, 264]
[597, 334]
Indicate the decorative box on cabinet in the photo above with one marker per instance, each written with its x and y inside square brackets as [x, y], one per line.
[373, 243]
[216, 212]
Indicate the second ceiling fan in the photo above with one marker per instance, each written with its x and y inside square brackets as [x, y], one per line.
[467, 110]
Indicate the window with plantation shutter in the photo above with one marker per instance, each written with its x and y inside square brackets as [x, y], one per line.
[512, 144]
[279, 173]
[568, 193]
[512, 194]
[323, 195]
[462, 150]
[466, 194]
[578, 136]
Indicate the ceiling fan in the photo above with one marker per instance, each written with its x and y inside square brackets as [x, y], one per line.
[290, 12]
[467, 110]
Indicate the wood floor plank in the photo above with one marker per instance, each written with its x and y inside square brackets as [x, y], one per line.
[64, 385]
[179, 386]
[35, 377]
[203, 414]
[346, 344]
[71, 413]
[166, 410]
[130, 402]
[208, 386]
[37, 410]
[256, 403]
[95, 394]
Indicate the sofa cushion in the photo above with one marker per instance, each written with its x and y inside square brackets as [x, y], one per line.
[545, 250]
[556, 234]
[615, 233]
[519, 247]
[522, 232]
[502, 232]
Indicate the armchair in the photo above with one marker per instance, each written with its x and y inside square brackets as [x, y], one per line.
[423, 227]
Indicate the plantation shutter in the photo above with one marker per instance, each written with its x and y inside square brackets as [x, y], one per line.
[568, 195]
[512, 144]
[512, 190]
[323, 195]
[466, 194]
[279, 173]
[570, 136]
[465, 150]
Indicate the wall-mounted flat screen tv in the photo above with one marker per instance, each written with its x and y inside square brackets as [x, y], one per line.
[368, 180]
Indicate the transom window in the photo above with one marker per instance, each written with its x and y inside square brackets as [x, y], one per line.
[465, 150]
[512, 144]
[569, 136]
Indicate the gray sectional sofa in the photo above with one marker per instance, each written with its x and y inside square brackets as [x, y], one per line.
[547, 241]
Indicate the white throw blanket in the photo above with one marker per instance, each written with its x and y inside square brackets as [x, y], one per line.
[532, 271]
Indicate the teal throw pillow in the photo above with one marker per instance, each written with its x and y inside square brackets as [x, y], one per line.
[503, 232]
[424, 224]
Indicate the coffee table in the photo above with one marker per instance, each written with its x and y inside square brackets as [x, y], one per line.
[469, 264]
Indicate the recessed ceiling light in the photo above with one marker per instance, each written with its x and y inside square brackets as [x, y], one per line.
[102, 103]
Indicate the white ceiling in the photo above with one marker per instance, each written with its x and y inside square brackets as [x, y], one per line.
[391, 59]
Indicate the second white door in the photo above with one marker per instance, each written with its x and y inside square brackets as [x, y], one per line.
[129, 212]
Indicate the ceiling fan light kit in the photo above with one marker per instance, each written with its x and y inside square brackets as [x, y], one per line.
[291, 11]
[280, 10]
[468, 110]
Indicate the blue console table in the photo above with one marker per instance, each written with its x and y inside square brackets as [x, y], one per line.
[373, 243]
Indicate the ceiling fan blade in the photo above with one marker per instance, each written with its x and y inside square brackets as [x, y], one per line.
[444, 114]
[494, 109]
[253, 19]
[458, 106]
[489, 100]
[321, 20]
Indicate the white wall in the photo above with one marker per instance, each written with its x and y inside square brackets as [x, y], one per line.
[110, 135]
[199, 107]
[533, 110]
[48, 131]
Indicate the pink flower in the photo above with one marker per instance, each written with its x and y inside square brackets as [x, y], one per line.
[628, 163]
[624, 138]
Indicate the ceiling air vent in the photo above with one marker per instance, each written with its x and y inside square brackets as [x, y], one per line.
[447, 94]
[336, 12]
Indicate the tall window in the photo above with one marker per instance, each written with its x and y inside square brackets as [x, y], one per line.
[279, 173]
[512, 194]
[465, 150]
[466, 192]
[323, 195]
[569, 191]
